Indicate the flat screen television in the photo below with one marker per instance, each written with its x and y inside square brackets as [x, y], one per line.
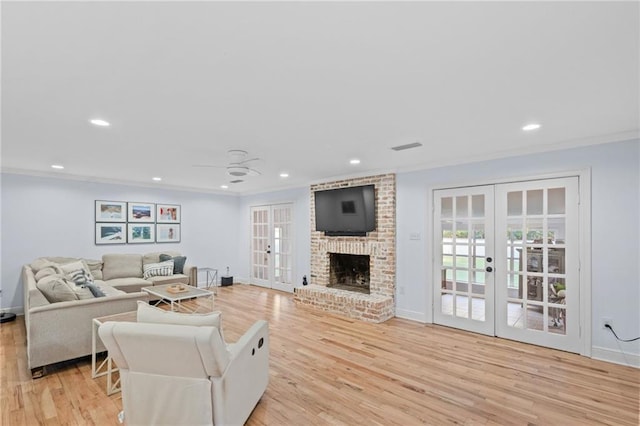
[346, 211]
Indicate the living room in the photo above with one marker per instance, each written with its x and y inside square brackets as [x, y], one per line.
[51, 213]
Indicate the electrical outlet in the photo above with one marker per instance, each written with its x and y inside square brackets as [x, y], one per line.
[606, 321]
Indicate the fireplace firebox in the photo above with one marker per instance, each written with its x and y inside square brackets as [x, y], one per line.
[349, 272]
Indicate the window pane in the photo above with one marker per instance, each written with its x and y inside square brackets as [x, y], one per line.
[514, 203]
[446, 207]
[477, 205]
[534, 201]
[462, 209]
[555, 200]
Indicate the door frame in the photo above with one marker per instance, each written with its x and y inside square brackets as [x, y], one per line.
[584, 245]
[293, 248]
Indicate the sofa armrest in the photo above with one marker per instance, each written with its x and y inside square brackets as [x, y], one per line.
[192, 272]
[61, 331]
[244, 381]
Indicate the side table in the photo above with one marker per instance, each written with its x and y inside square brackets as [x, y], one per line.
[211, 279]
[106, 367]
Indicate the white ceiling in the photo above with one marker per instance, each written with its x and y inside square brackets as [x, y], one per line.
[308, 86]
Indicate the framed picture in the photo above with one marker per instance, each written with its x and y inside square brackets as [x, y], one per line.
[141, 233]
[167, 233]
[111, 211]
[111, 233]
[167, 213]
[141, 212]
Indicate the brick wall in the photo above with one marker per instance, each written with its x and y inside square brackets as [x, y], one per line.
[380, 245]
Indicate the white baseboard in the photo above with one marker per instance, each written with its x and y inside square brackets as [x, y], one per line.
[412, 315]
[615, 356]
[18, 310]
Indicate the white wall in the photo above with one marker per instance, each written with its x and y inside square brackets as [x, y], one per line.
[55, 217]
[43, 217]
[299, 197]
[615, 180]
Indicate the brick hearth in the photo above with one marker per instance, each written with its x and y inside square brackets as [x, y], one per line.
[379, 305]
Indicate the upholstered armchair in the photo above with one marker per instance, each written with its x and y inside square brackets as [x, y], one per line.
[186, 374]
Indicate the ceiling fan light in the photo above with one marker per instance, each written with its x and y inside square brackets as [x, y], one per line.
[237, 171]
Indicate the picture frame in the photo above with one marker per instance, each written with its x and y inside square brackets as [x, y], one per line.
[167, 233]
[140, 233]
[141, 212]
[168, 213]
[111, 211]
[111, 233]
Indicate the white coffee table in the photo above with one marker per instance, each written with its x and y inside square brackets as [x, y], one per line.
[175, 299]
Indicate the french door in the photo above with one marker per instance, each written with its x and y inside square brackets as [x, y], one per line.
[507, 261]
[272, 247]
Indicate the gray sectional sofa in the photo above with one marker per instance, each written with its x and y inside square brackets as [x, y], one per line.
[59, 324]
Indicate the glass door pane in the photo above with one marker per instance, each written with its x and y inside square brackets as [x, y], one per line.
[536, 288]
[464, 224]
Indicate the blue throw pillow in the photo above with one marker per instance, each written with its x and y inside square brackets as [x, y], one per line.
[178, 262]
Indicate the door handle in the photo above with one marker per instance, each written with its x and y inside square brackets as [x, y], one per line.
[489, 269]
[268, 249]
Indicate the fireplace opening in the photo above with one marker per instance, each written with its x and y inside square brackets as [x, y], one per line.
[349, 272]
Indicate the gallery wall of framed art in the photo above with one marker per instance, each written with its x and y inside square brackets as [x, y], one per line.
[133, 222]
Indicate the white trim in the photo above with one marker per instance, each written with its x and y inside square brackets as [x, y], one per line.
[18, 310]
[413, 316]
[584, 218]
[511, 179]
[616, 357]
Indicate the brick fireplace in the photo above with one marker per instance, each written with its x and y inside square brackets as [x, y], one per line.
[349, 297]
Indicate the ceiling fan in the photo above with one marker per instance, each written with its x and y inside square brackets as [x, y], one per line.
[238, 164]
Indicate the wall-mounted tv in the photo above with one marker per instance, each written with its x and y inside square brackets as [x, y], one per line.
[347, 211]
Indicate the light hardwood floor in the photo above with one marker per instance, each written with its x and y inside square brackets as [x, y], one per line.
[330, 370]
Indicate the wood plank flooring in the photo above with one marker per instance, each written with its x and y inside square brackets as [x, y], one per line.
[330, 370]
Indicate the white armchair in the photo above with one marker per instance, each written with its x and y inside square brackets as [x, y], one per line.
[187, 375]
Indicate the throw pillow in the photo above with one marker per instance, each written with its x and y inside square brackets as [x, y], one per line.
[95, 290]
[158, 269]
[178, 262]
[79, 265]
[46, 271]
[151, 314]
[56, 289]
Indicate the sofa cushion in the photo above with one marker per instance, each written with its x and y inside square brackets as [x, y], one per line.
[46, 271]
[178, 262]
[158, 269]
[148, 313]
[41, 263]
[155, 256]
[108, 290]
[128, 285]
[56, 289]
[121, 266]
[95, 267]
[171, 279]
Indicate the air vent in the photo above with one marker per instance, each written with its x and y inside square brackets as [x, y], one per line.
[407, 146]
[236, 181]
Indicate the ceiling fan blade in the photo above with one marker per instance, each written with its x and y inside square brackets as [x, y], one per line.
[208, 165]
[253, 172]
[247, 160]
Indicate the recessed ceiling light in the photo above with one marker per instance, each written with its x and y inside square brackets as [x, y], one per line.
[224, 186]
[532, 126]
[355, 161]
[57, 166]
[99, 122]
[157, 179]
[284, 175]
